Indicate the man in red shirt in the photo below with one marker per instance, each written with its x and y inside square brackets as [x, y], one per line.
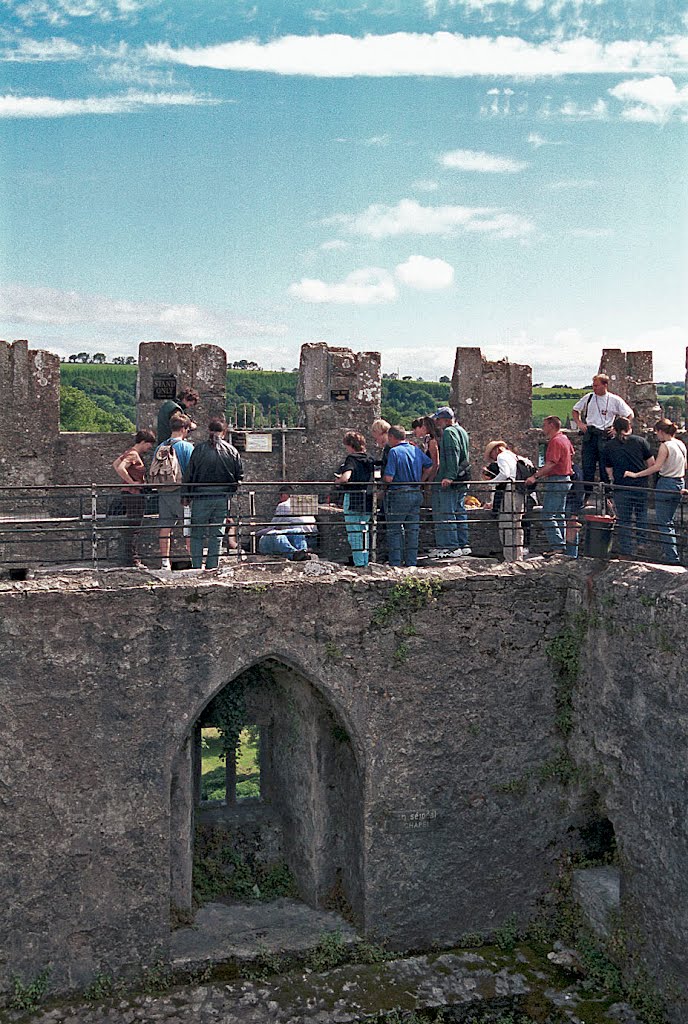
[556, 472]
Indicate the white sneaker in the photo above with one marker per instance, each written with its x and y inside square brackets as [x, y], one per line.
[166, 564]
[458, 552]
[440, 553]
[466, 551]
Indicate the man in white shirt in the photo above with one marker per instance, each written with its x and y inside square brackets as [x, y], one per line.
[513, 500]
[594, 415]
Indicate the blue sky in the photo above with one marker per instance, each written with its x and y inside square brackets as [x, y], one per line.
[401, 176]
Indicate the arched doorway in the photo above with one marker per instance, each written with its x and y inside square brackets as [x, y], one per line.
[301, 813]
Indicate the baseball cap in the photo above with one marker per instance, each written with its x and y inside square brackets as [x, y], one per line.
[444, 413]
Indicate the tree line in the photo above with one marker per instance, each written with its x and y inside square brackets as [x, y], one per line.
[101, 397]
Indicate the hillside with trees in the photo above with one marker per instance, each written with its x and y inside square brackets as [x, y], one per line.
[101, 397]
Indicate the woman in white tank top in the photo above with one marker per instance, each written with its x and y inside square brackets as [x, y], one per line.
[671, 466]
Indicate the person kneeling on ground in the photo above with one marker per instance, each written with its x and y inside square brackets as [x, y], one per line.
[287, 532]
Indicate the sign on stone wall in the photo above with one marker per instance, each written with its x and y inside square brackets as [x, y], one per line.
[414, 821]
[339, 395]
[258, 443]
[164, 386]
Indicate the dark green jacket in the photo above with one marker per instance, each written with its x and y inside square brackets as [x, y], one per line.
[453, 451]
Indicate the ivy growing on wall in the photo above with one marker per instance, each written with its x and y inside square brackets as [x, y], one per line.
[227, 711]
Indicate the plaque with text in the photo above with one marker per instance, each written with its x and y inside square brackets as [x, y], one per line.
[164, 386]
[259, 442]
[339, 395]
[414, 821]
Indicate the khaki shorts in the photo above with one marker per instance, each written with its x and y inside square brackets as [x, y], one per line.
[170, 508]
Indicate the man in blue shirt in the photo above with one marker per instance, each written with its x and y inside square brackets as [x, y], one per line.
[170, 509]
[407, 467]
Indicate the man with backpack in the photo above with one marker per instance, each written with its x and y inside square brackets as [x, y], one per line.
[512, 472]
[168, 466]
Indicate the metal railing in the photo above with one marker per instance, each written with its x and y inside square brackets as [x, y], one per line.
[88, 525]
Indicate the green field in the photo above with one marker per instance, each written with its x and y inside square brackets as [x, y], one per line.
[102, 398]
[213, 765]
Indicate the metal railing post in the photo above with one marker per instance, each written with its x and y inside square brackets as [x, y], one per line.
[373, 528]
[94, 526]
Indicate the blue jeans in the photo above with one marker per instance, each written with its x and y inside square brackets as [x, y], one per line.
[284, 544]
[208, 514]
[402, 508]
[554, 491]
[450, 516]
[667, 501]
[357, 526]
[630, 504]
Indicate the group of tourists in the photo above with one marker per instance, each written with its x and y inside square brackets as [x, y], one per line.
[434, 466]
[204, 476]
[440, 455]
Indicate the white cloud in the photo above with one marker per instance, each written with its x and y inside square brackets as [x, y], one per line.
[42, 50]
[425, 185]
[571, 356]
[126, 103]
[654, 100]
[484, 163]
[25, 305]
[426, 275]
[537, 141]
[591, 232]
[335, 244]
[60, 12]
[367, 287]
[134, 72]
[373, 140]
[597, 111]
[441, 54]
[409, 217]
[571, 184]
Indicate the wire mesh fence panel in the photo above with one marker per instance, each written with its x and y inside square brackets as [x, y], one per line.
[103, 526]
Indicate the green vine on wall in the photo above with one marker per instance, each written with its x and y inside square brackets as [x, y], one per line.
[227, 711]
[405, 599]
[565, 651]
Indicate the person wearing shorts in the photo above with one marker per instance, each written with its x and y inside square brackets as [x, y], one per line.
[170, 508]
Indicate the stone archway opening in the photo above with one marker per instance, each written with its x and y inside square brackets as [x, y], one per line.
[596, 878]
[267, 800]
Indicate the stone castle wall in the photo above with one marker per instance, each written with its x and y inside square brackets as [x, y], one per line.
[459, 817]
[338, 389]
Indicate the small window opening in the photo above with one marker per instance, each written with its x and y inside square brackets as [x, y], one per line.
[247, 785]
[234, 776]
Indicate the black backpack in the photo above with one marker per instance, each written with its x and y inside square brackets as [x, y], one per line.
[524, 470]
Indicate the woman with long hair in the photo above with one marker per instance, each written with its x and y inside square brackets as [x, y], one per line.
[355, 472]
[671, 466]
